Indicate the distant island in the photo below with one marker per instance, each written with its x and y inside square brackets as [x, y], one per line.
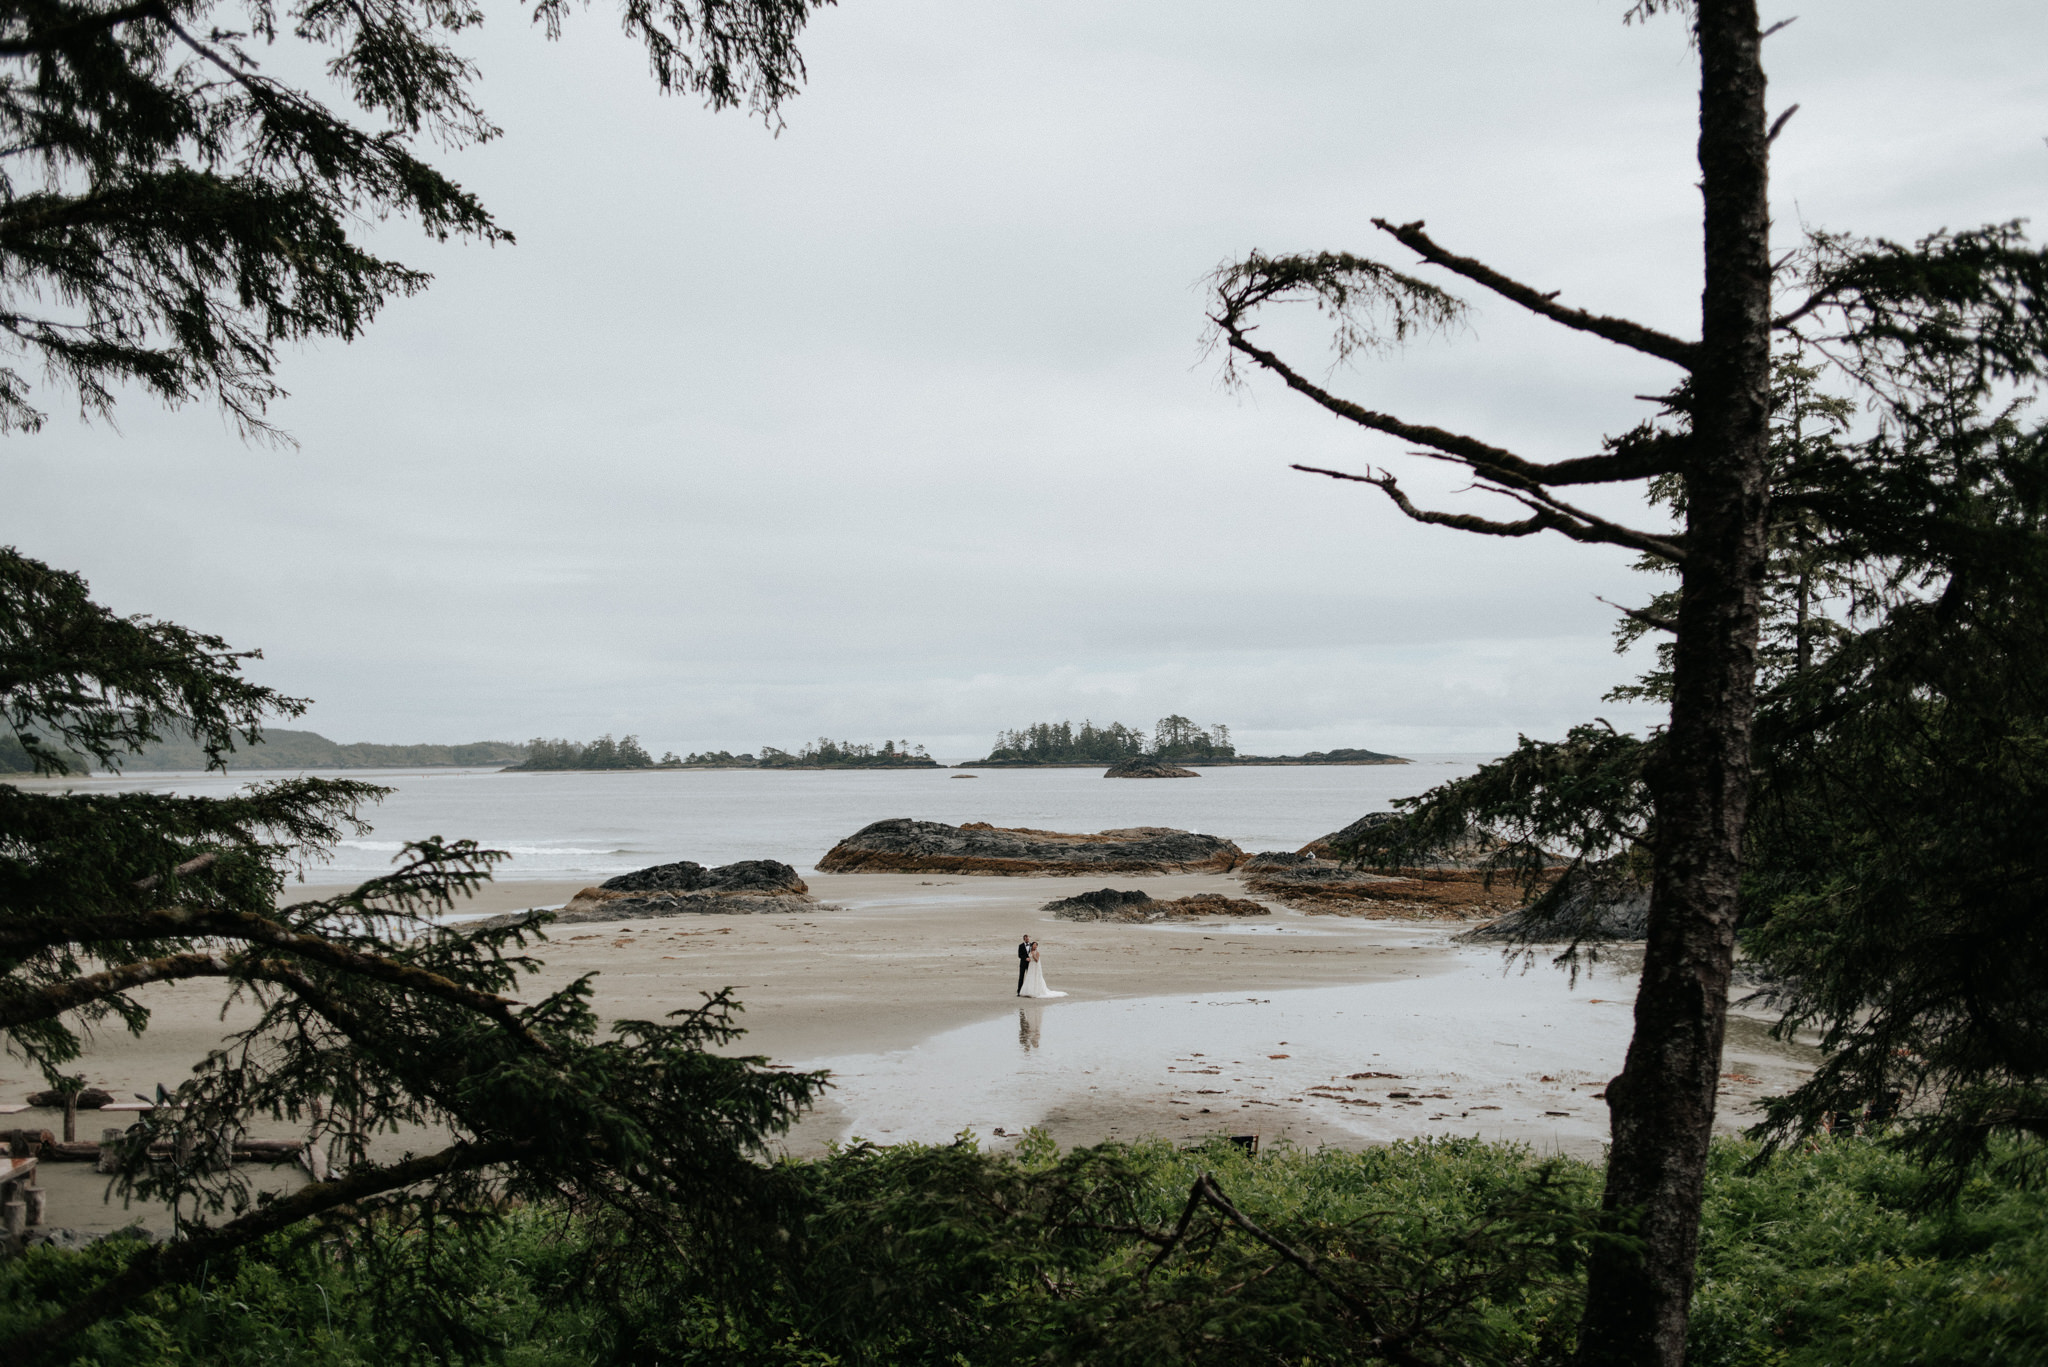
[840, 754]
[1174, 740]
[282, 749]
[1061, 743]
[604, 753]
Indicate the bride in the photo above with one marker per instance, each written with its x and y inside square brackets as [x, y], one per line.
[1034, 978]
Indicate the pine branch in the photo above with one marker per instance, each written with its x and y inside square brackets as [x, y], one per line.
[38, 41]
[190, 922]
[45, 1003]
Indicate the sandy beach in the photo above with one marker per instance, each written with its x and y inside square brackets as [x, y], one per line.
[1305, 1029]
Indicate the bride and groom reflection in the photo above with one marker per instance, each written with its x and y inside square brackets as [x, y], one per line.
[1030, 983]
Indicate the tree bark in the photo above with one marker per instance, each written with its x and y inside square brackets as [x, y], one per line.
[1662, 1104]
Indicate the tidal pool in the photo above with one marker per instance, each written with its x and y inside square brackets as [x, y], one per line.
[1482, 1047]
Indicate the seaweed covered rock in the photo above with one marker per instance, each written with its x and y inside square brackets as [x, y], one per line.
[684, 888]
[1276, 859]
[900, 845]
[1321, 888]
[1148, 766]
[1135, 907]
[1590, 902]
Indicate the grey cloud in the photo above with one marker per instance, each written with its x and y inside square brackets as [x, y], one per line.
[896, 424]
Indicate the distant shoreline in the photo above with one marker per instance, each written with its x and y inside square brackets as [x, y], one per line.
[1280, 763]
[702, 768]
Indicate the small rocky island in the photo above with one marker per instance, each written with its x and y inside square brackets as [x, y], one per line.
[1132, 907]
[684, 888]
[1148, 766]
[900, 845]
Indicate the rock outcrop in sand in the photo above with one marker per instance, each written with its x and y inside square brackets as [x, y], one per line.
[900, 845]
[681, 889]
[1321, 888]
[1468, 853]
[1148, 766]
[1132, 906]
[1596, 902]
[1337, 843]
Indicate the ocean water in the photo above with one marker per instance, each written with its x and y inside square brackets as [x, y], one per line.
[573, 826]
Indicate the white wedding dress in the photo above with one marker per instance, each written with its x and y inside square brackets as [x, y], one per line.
[1034, 982]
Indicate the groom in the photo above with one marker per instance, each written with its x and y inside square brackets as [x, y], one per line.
[1023, 962]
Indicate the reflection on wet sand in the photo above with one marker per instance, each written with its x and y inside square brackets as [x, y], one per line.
[1499, 1055]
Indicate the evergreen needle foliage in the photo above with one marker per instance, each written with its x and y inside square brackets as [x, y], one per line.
[171, 213]
[372, 1017]
[946, 1256]
[1895, 878]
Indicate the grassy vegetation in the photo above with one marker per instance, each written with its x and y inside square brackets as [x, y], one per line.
[948, 1255]
[282, 748]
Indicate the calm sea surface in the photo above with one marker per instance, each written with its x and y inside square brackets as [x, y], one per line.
[562, 826]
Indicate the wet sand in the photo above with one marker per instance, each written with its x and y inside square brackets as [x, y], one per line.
[905, 988]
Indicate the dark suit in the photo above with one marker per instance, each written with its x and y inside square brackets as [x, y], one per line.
[1023, 966]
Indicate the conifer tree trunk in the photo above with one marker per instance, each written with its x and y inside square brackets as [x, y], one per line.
[1663, 1102]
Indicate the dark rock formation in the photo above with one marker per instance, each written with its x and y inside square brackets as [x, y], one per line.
[680, 889]
[1148, 766]
[1132, 906]
[749, 876]
[900, 845]
[1591, 902]
[1321, 888]
[1470, 852]
[1336, 843]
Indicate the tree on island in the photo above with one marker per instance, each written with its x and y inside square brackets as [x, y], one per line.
[602, 753]
[826, 753]
[1175, 738]
[174, 215]
[1064, 743]
[1662, 1103]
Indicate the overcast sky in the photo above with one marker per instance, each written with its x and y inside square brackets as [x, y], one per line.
[898, 424]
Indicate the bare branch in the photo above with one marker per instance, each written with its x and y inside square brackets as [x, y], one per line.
[1778, 125]
[1548, 515]
[1180, 1231]
[1617, 330]
[1494, 462]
